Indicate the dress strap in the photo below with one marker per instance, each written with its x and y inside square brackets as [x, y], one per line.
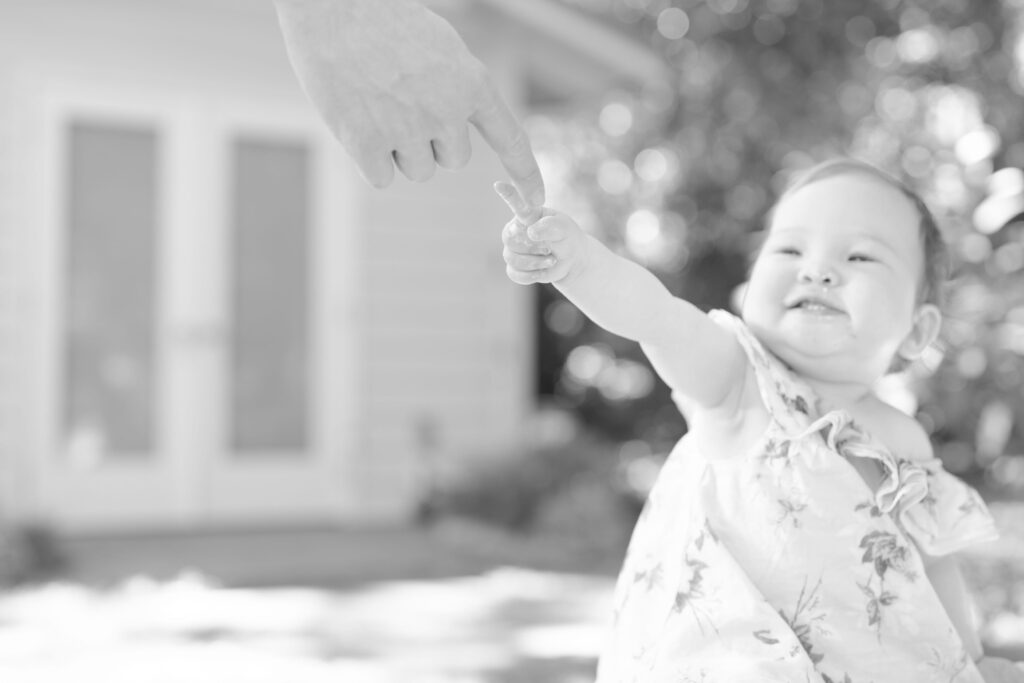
[789, 402]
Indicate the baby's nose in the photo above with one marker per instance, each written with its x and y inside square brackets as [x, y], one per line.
[818, 274]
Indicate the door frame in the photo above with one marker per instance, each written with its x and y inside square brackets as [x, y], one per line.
[255, 490]
[186, 484]
[77, 491]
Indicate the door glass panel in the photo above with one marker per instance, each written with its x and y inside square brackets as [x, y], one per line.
[269, 331]
[110, 262]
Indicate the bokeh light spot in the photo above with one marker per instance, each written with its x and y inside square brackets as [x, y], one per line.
[563, 318]
[881, 52]
[1009, 258]
[616, 119]
[896, 104]
[673, 23]
[917, 161]
[975, 248]
[769, 30]
[860, 30]
[1006, 181]
[971, 362]
[585, 363]
[1004, 202]
[614, 176]
[977, 145]
[782, 7]
[643, 228]
[918, 46]
[651, 165]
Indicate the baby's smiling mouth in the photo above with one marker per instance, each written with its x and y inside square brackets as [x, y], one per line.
[814, 305]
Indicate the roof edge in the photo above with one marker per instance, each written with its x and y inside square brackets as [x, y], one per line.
[604, 45]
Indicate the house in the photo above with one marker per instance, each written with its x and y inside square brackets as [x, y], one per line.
[206, 317]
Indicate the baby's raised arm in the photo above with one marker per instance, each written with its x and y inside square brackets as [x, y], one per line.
[695, 357]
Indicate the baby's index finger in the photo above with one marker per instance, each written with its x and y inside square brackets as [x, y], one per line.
[525, 213]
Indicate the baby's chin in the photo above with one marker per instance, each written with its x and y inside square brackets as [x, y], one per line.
[804, 357]
[819, 366]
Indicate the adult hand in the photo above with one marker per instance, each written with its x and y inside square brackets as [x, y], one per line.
[396, 85]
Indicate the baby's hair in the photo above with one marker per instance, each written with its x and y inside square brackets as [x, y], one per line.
[936, 256]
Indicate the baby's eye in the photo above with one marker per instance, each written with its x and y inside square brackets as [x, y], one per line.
[787, 251]
[861, 258]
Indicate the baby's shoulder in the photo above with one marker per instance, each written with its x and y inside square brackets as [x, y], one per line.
[903, 435]
[737, 424]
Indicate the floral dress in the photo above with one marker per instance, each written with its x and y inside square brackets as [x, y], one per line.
[780, 564]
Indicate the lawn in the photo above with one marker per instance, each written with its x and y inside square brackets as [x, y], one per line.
[457, 603]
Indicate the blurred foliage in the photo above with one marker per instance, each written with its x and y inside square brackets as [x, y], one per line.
[520, 493]
[680, 176]
[30, 553]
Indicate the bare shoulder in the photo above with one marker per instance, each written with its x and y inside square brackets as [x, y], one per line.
[901, 433]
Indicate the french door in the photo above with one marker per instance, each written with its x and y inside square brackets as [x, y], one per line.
[181, 369]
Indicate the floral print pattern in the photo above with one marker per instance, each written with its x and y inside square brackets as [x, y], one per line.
[781, 565]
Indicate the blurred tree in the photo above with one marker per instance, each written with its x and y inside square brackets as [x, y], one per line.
[680, 178]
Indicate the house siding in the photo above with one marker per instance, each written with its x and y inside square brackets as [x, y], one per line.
[438, 341]
[9, 315]
[447, 375]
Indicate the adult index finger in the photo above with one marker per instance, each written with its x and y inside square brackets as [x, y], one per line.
[374, 161]
[525, 214]
[502, 132]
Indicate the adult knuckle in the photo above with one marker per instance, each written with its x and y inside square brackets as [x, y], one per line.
[377, 180]
[420, 172]
[479, 77]
[461, 155]
[451, 148]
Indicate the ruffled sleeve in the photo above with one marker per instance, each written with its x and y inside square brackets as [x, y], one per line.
[949, 517]
[937, 510]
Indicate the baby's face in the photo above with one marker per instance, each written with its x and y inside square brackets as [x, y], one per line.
[834, 291]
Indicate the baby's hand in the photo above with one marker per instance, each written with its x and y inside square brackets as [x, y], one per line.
[540, 246]
[999, 670]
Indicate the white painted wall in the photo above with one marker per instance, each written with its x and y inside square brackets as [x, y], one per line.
[427, 325]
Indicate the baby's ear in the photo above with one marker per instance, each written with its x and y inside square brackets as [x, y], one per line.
[927, 321]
